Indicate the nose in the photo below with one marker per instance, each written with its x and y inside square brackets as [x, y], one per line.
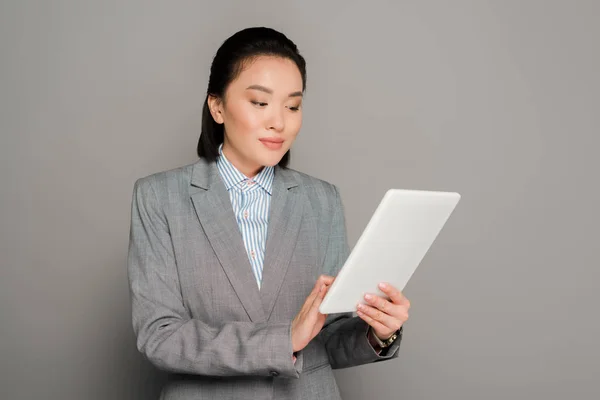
[276, 121]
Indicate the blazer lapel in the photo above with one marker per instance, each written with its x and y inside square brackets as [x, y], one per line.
[282, 233]
[214, 210]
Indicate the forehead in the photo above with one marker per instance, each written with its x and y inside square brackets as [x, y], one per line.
[276, 73]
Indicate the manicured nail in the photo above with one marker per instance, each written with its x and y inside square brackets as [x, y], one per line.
[383, 285]
[368, 296]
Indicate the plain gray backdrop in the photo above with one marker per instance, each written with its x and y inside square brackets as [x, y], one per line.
[498, 100]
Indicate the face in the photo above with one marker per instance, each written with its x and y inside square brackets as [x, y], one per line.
[261, 112]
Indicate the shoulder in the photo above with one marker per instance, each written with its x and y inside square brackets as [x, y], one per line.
[164, 183]
[318, 191]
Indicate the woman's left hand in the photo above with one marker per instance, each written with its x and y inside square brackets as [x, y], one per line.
[385, 316]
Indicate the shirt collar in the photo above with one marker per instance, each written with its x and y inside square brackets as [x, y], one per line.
[233, 177]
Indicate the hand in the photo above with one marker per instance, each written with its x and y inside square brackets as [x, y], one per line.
[385, 316]
[309, 321]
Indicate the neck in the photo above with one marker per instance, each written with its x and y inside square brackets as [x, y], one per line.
[248, 169]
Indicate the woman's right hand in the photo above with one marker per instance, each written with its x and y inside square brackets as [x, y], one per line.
[309, 321]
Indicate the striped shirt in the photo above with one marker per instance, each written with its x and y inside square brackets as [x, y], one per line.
[251, 201]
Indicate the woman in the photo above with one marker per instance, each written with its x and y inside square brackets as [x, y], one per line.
[230, 257]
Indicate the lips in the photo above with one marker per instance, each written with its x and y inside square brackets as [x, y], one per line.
[272, 143]
[271, 140]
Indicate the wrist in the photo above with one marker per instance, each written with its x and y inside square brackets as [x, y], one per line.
[384, 342]
[372, 341]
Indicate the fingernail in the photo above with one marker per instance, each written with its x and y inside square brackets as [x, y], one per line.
[368, 296]
[360, 306]
[383, 285]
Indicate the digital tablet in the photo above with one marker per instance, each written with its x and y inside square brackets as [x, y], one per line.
[391, 247]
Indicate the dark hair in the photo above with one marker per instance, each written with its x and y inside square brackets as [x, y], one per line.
[228, 63]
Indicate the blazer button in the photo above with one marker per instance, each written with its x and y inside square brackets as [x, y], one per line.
[274, 373]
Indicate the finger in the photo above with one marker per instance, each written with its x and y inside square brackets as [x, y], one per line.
[319, 299]
[382, 304]
[323, 280]
[390, 323]
[315, 291]
[378, 326]
[394, 294]
[326, 279]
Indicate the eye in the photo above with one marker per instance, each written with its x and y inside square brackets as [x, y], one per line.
[258, 103]
[294, 108]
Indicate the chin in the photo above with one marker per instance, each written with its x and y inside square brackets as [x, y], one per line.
[271, 162]
[272, 159]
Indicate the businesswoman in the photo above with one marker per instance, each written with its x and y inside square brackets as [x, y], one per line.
[230, 257]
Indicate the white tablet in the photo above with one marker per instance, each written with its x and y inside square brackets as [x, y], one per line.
[396, 239]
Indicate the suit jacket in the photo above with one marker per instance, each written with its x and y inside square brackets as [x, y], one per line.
[197, 310]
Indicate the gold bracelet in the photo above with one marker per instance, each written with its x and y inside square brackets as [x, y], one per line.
[384, 343]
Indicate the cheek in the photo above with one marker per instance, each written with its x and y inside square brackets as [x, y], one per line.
[294, 124]
[243, 120]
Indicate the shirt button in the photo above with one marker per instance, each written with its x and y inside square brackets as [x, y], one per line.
[253, 254]
[274, 373]
[246, 214]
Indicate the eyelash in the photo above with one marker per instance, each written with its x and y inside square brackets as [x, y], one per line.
[260, 104]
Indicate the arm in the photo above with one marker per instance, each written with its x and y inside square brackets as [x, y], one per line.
[166, 334]
[345, 336]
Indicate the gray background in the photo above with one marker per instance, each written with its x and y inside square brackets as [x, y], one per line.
[498, 100]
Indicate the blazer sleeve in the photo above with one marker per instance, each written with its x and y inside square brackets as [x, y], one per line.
[345, 335]
[165, 332]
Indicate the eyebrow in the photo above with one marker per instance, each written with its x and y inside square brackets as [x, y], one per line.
[269, 91]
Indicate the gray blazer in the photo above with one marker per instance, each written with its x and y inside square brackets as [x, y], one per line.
[197, 310]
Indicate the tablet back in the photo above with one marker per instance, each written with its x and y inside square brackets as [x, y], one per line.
[391, 247]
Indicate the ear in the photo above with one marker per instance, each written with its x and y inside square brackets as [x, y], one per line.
[215, 105]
